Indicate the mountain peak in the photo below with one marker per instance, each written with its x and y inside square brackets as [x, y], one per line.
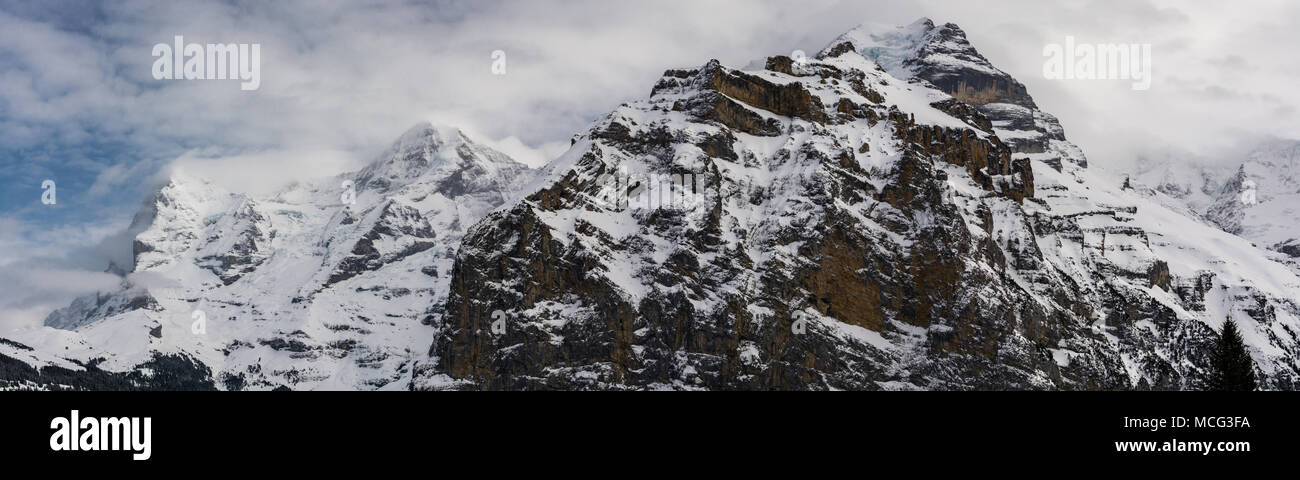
[417, 132]
[426, 132]
[942, 58]
[889, 45]
[415, 152]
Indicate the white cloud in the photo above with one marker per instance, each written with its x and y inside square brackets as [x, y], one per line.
[44, 269]
[265, 172]
[352, 76]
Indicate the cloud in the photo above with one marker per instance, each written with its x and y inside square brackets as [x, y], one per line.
[526, 154]
[263, 173]
[1208, 91]
[352, 76]
[45, 269]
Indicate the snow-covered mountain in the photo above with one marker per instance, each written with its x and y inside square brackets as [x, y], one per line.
[896, 213]
[1257, 196]
[328, 284]
[1261, 199]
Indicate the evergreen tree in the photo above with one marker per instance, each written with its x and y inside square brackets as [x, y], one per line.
[1231, 369]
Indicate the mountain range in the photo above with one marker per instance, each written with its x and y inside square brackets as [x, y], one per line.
[893, 213]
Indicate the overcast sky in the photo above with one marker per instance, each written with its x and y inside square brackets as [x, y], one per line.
[339, 80]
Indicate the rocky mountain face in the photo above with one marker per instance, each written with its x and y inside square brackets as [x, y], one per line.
[327, 284]
[941, 57]
[895, 213]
